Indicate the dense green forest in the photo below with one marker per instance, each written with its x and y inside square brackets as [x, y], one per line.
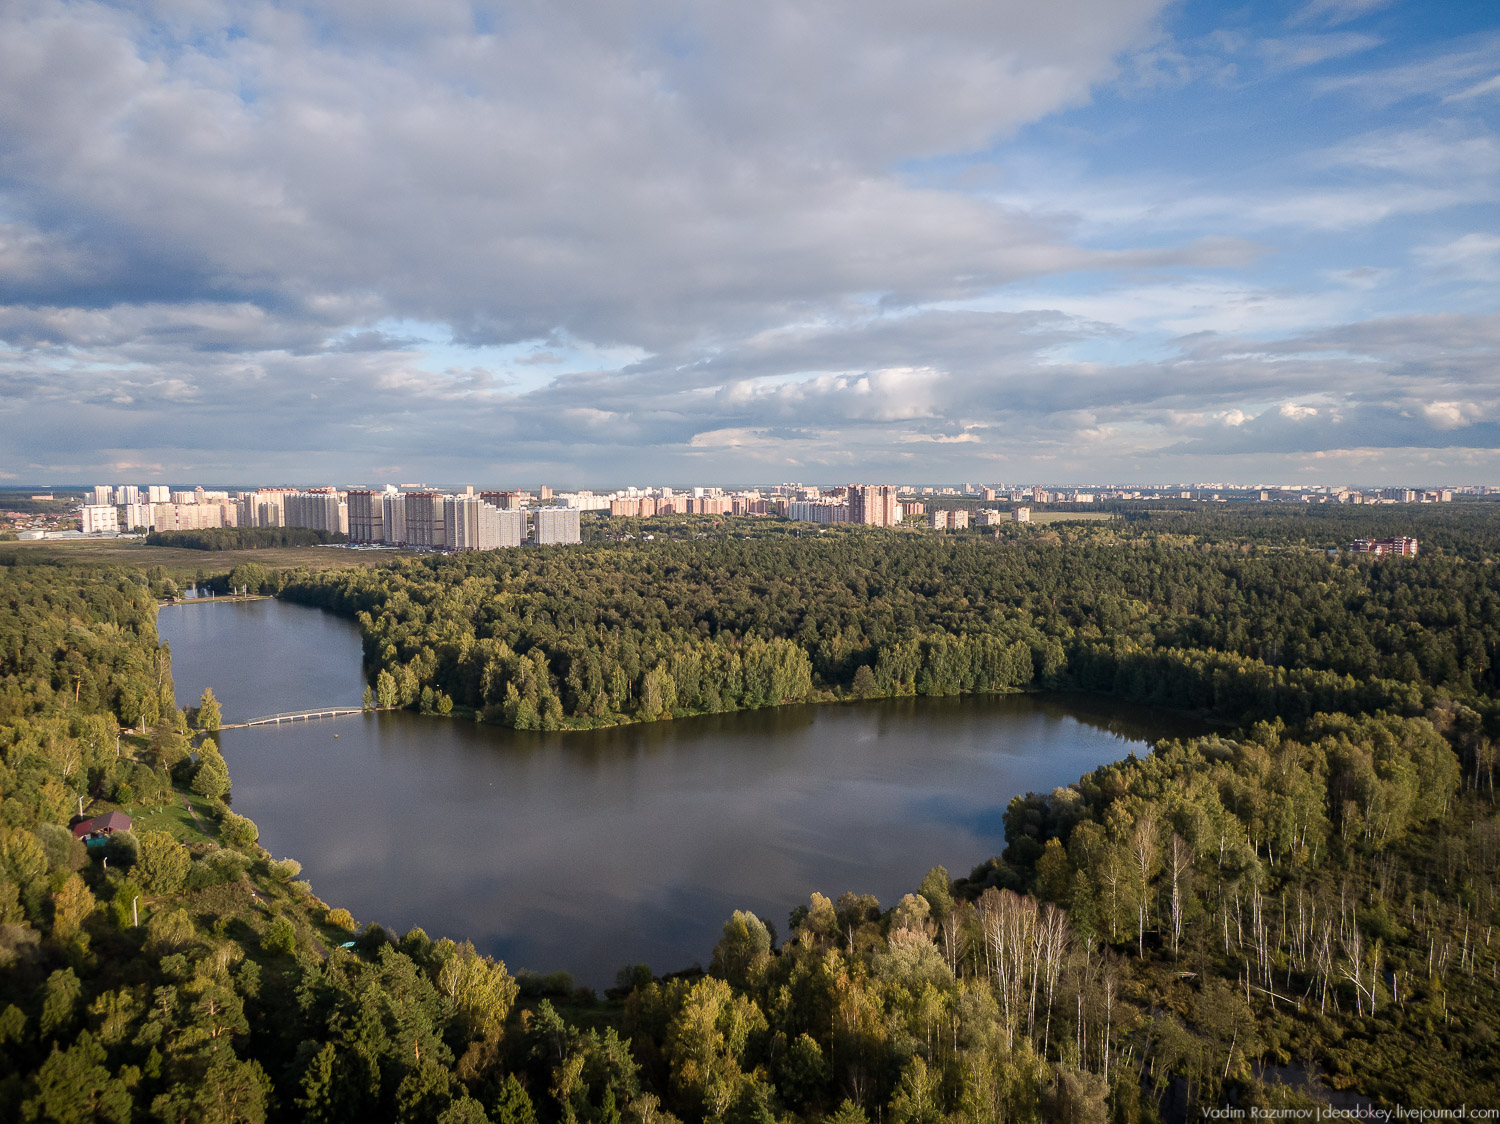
[244, 538]
[602, 634]
[1311, 892]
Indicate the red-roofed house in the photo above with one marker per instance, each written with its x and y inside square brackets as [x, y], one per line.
[105, 825]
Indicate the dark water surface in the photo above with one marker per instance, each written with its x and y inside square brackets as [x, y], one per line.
[590, 851]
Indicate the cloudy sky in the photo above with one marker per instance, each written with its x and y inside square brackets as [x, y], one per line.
[630, 241]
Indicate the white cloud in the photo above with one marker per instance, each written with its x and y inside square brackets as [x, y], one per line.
[1335, 12]
[1442, 73]
[1474, 256]
[1478, 90]
[1298, 51]
[1451, 415]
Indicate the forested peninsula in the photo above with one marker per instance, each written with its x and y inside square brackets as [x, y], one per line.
[606, 633]
[1298, 910]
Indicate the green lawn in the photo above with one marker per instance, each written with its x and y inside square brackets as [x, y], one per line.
[175, 821]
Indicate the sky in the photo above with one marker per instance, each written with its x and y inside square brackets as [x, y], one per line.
[667, 241]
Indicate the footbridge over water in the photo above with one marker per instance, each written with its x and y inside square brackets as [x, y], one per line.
[294, 716]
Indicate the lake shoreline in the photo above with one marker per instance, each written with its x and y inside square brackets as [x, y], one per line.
[585, 850]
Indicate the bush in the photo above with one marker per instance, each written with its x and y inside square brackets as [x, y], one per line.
[340, 919]
[238, 832]
[279, 939]
[161, 863]
[284, 870]
[216, 869]
[123, 905]
[62, 850]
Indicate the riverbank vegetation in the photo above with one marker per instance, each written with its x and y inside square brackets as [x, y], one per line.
[1300, 908]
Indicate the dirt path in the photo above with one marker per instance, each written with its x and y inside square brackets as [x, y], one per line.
[203, 827]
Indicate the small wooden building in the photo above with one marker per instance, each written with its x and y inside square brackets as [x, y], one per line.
[101, 826]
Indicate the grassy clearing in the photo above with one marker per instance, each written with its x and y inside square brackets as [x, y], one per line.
[1071, 516]
[184, 565]
[175, 820]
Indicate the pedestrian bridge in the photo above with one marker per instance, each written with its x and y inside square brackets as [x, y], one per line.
[295, 716]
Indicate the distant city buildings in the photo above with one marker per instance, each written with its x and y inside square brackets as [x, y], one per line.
[1407, 547]
[472, 524]
[320, 509]
[366, 515]
[415, 516]
[954, 519]
[817, 511]
[427, 520]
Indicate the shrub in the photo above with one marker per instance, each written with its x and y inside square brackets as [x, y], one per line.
[279, 939]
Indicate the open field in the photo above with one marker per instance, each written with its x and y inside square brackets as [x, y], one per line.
[186, 564]
[1070, 516]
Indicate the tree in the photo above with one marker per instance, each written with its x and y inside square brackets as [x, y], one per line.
[60, 996]
[209, 716]
[75, 1085]
[238, 831]
[280, 938]
[1145, 854]
[917, 1099]
[1076, 1097]
[71, 906]
[706, 1044]
[481, 990]
[744, 951]
[161, 863]
[211, 780]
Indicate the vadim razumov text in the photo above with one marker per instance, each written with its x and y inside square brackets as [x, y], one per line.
[1327, 1112]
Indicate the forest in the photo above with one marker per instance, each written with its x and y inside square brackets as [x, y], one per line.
[600, 634]
[244, 538]
[1296, 910]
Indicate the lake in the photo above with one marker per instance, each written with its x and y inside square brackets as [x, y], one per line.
[589, 851]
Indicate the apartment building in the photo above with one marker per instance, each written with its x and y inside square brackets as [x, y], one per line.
[873, 505]
[393, 519]
[366, 515]
[318, 510]
[817, 511]
[1400, 544]
[471, 524]
[100, 519]
[424, 521]
[555, 525]
[956, 519]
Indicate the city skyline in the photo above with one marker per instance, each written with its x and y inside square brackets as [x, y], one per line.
[1111, 240]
